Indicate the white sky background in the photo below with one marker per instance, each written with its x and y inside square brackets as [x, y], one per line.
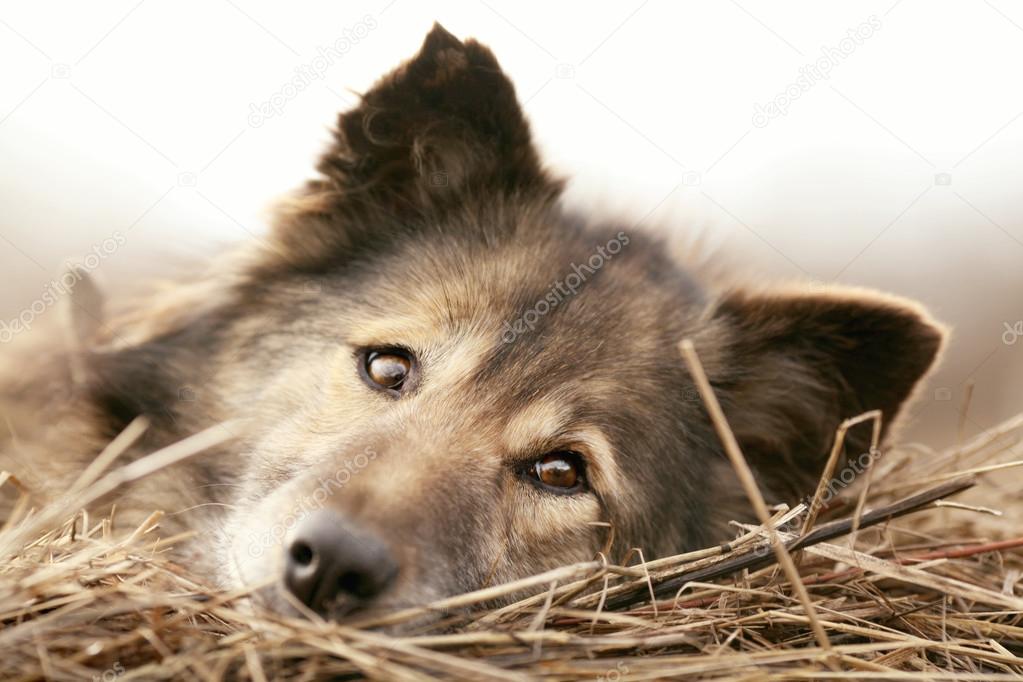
[134, 116]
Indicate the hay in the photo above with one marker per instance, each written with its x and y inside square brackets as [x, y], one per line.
[894, 580]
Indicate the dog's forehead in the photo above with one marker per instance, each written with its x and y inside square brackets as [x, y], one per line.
[521, 319]
[518, 296]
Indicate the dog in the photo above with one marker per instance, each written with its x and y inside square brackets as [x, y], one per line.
[438, 378]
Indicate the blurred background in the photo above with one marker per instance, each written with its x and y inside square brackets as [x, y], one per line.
[869, 143]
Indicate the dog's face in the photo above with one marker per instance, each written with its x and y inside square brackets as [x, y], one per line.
[480, 405]
[451, 383]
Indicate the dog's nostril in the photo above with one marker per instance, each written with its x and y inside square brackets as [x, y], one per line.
[329, 559]
[358, 584]
[301, 553]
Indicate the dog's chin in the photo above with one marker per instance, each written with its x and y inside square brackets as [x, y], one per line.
[372, 614]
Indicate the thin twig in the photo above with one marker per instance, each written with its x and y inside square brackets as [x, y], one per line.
[749, 485]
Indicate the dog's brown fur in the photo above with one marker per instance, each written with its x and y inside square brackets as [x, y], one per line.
[434, 227]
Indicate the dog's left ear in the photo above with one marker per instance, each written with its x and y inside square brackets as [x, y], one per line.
[442, 130]
[444, 123]
[789, 367]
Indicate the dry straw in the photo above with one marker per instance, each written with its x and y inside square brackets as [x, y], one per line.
[890, 580]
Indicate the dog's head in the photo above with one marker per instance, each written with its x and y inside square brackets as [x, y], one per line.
[452, 383]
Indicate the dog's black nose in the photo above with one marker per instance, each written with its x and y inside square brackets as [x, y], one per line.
[329, 559]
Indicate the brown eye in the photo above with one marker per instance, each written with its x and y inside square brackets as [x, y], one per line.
[387, 369]
[562, 471]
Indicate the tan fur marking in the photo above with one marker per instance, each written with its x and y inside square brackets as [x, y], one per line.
[541, 420]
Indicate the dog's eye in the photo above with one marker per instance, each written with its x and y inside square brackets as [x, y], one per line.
[560, 471]
[388, 369]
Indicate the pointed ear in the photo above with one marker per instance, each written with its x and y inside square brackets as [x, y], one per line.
[84, 309]
[441, 130]
[789, 368]
[83, 312]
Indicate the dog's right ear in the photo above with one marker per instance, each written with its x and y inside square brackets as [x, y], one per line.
[442, 130]
[790, 366]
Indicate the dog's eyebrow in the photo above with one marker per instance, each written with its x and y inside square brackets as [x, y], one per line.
[542, 420]
[461, 360]
[408, 329]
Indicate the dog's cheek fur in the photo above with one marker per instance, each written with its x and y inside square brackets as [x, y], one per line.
[540, 530]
